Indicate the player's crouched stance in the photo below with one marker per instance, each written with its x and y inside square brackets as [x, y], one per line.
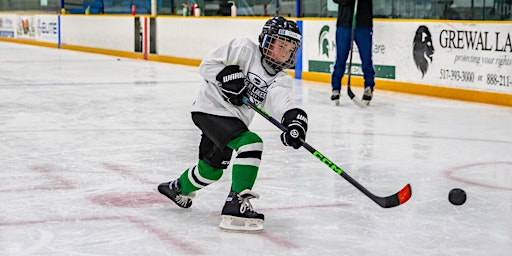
[231, 72]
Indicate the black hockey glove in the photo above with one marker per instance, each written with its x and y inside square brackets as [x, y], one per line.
[296, 122]
[232, 81]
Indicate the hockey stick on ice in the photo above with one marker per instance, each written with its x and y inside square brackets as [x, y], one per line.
[386, 202]
[351, 94]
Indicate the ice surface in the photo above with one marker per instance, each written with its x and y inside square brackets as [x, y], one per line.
[85, 138]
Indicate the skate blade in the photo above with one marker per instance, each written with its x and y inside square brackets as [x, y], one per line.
[366, 102]
[241, 225]
[336, 102]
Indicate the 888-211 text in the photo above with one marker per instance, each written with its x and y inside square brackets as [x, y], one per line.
[500, 80]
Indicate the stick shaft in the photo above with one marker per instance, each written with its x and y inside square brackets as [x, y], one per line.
[390, 201]
[351, 94]
[352, 35]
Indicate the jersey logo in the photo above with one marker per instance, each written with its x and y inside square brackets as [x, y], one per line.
[257, 88]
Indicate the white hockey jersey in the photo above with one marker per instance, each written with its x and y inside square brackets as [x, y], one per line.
[272, 93]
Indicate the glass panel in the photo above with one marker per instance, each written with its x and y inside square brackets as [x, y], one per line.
[405, 9]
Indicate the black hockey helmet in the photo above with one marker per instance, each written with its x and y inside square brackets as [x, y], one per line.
[279, 28]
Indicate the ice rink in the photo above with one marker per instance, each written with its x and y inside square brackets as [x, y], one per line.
[85, 138]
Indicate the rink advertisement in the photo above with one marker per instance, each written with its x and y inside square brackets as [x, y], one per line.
[7, 25]
[457, 55]
[320, 53]
[47, 28]
[26, 27]
[462, 55]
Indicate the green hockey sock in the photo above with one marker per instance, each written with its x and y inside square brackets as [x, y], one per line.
[198, 177]
[249, 148]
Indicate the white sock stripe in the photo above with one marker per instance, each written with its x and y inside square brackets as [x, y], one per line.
[201, 178]
[257, 146]
[194, 176]
[247, 161]
[192, 180]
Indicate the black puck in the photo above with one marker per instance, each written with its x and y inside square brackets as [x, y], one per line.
[457, 196]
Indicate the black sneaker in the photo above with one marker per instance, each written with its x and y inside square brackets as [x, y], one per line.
[238, 214]
[335, 96]
[367, 96]
[172, 191]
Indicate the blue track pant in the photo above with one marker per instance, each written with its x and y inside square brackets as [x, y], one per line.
[363, 40]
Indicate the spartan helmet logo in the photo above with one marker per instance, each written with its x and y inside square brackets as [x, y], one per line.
[423, 49]
[323, 41]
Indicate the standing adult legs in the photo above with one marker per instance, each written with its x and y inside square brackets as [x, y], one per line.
[363, 38]
[343, 37]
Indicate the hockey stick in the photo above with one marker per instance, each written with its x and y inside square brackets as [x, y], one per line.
[351, 94]
[386, 202]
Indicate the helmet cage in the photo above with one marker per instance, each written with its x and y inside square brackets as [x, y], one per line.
[279, 41]
[275, 51]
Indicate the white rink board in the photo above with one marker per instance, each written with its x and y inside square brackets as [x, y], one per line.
[194, 38]
[105, 32]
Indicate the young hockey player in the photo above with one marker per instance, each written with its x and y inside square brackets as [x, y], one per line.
[238, 69]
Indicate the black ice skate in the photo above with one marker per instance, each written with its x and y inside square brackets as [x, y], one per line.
[172, 191]
[335, 96]
[367, 96]
[238, 214]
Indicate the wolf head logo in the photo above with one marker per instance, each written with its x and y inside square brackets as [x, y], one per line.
[423, 50]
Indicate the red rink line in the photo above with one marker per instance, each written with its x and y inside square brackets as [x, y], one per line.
[49, 174]
[56, 182]
[34, 222]
[279, 241]
[123, 171]
[144, 199]
[130, 199]
[164, 235]
[450, 174]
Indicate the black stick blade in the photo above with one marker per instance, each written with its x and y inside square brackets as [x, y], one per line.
[395, 200]
[350, 93]
[353, 97]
